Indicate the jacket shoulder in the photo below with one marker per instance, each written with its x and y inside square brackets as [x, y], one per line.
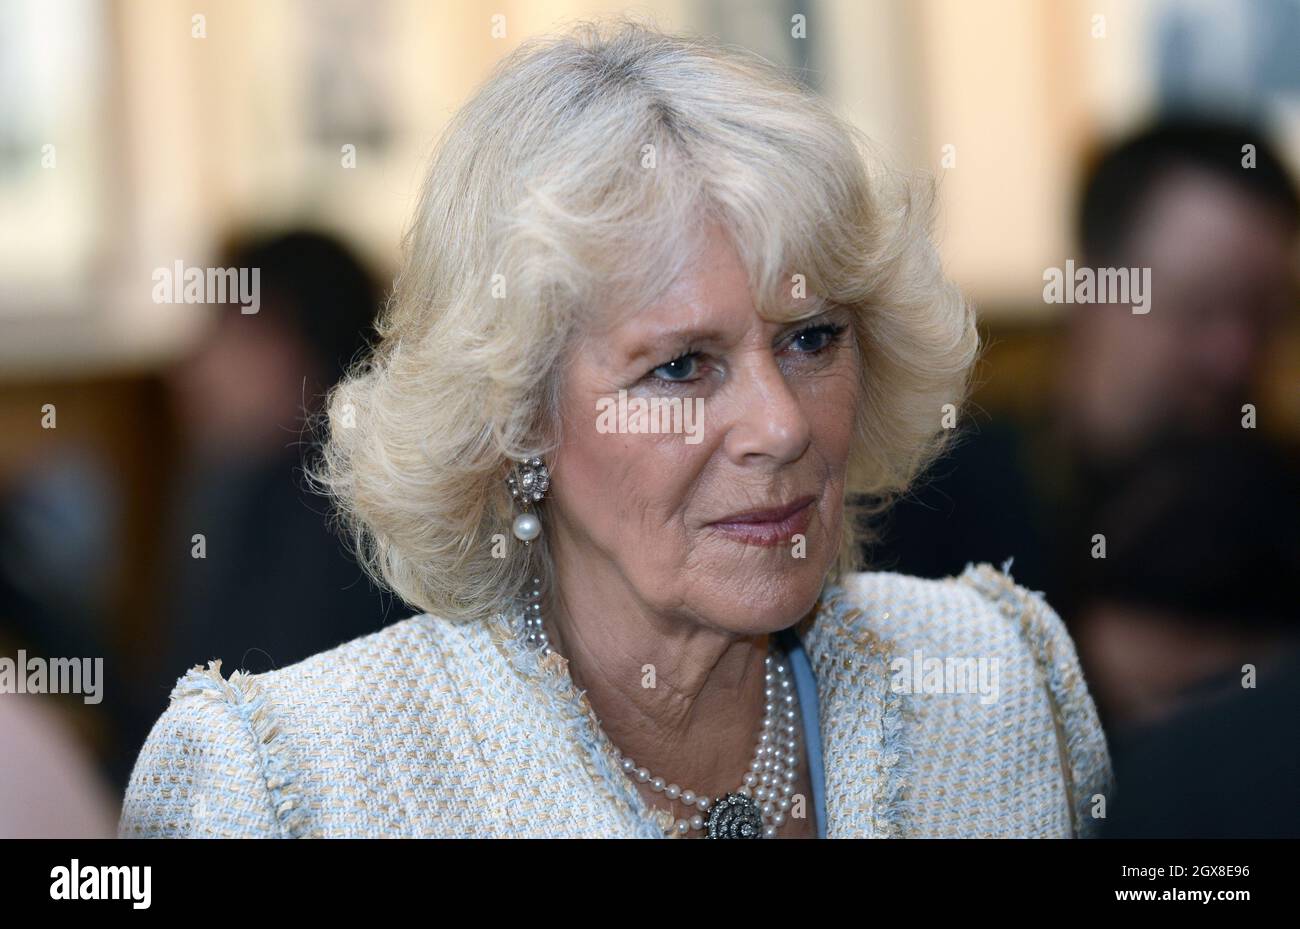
[1085, 754]
[206, 768]
[216, 763]
[984, 613]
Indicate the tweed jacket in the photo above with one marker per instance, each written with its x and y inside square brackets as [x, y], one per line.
[433, 727]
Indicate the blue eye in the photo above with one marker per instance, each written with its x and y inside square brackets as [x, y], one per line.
[687, 367]
[814, 339]
[679, 369]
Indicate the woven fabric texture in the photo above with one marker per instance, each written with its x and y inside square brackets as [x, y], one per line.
[432, 727]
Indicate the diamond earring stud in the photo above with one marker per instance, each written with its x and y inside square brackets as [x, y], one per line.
[528, 483]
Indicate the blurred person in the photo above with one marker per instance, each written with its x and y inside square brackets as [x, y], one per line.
[271, 583]
[1143, 444]
[1191, 636]
[1188, 626]
[1209, 207]
[57, 520]
[559, 553]
[1152, 409]
[51, 786]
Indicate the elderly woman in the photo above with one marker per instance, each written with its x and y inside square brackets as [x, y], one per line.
[664, 337]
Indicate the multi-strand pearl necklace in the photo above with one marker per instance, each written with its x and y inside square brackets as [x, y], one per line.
[759, 806]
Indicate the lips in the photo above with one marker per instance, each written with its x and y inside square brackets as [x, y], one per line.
[769, 526]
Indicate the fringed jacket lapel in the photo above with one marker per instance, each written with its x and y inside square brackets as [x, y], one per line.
[863, 744]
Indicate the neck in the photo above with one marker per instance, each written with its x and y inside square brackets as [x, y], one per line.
[683, 700]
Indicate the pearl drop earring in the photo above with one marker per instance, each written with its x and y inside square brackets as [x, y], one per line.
[527, 527]
[528, 483]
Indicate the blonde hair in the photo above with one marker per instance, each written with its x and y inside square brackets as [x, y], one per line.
[582, 175]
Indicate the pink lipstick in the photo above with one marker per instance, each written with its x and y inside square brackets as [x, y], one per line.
[770, 526]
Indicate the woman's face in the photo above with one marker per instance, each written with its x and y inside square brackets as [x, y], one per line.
[732, 521]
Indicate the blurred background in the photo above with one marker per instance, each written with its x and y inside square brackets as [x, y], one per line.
[152, 506]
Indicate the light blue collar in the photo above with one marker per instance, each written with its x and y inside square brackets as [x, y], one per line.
[806, 685]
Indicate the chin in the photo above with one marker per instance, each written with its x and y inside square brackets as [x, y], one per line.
[748, 605]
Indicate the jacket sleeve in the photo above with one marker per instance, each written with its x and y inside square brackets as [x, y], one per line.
[1085, 757]
[208, 768]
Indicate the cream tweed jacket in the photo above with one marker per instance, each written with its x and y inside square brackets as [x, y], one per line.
[433, 727]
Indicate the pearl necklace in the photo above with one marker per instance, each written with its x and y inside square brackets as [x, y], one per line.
[759, 806]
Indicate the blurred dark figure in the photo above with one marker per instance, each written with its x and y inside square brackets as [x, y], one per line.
[1201, 516]
[275, 584]
[1145, 444]
[50, 784]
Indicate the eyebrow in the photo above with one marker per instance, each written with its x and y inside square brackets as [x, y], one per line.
[652, 342]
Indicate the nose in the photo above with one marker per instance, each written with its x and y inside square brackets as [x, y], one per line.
[769, 421]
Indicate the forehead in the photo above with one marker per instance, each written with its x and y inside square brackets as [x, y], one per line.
[1196, 221]
[710, 298]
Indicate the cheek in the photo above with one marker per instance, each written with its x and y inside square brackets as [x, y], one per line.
[830, 403]
[618, 486]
